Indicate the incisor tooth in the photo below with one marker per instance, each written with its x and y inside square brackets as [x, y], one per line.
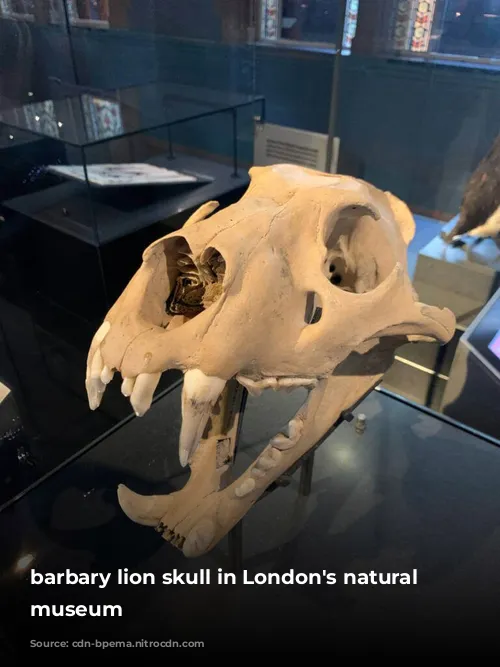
[199, 395]
[128, 386]
[93, 383]
[144, 389]
[106, 375]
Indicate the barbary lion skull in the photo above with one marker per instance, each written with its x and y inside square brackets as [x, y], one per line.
[302, 283]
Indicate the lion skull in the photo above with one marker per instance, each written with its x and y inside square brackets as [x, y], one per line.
[275, 291]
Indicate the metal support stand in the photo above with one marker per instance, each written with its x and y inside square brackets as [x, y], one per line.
[235, 142]
[306, 473]
[306, 465]
[235, 536]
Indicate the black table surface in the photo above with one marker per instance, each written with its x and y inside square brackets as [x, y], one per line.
[412, 492]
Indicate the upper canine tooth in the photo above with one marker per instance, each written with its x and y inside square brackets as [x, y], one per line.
[199, 395]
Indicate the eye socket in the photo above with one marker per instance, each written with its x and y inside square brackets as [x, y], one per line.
[313, 310]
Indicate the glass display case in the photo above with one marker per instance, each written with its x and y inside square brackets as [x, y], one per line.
[115, 165]
[117, 121]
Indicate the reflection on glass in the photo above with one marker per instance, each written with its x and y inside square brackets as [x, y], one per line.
[103, 118]
[494, 346]
[59, 119]
[21, 8]
[85, 13]
[86, 119]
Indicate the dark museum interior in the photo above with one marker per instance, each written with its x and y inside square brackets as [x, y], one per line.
[119, 119]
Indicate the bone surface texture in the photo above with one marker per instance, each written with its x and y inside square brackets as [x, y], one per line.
[301, 283]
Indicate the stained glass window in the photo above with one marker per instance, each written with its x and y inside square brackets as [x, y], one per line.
[309, 21]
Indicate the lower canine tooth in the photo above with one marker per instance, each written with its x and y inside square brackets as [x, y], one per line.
[244, 489]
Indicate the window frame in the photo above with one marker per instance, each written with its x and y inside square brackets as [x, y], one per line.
[283, 41]
[436, 57]
[446, 58]
[78, 22]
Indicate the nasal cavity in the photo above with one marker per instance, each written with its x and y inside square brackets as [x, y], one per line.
[313, 309]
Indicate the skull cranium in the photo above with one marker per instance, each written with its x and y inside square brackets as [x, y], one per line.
[279, 290]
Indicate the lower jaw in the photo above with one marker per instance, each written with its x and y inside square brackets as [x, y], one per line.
[197, 517]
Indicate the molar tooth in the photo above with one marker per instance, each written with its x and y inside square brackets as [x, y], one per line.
[245, 488]
[295, 427]
[289, 384]
[275, 454]
[258, 473]
[281, 442]
[253, 388]
[266, 462]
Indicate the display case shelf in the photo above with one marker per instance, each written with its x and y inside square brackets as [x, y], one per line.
[122, 211]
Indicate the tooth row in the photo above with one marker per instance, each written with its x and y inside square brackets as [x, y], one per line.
[256, 387]
[271, 457]
[140, 390]
[170, 536]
